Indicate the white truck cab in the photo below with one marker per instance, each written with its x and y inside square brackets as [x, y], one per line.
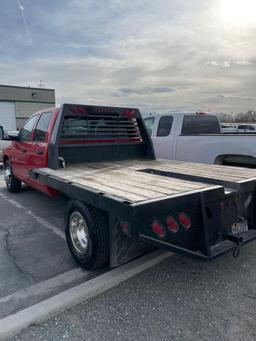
[197, 137]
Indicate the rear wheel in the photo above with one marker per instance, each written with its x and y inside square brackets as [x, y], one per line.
[87, 235]
[12, 183]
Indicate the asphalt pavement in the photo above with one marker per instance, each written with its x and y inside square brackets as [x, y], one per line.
[35, 262]
[179, 299]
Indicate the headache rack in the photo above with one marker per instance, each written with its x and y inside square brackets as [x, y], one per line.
[93, 133]
[97, 127]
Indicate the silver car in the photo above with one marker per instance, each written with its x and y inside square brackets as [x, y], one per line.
[3, 144]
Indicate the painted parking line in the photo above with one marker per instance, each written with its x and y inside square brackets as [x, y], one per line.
[46, 286]
[40, 220]
[31, 295]
[13, 324]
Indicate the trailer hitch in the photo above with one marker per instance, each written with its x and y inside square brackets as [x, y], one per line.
[235, 239]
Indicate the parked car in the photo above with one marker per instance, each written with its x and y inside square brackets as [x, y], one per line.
[197, 137]
[3, 144]
[7, 117]
[246, 128]
[228, 128]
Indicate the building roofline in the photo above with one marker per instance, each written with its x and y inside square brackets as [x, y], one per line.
[25, 87]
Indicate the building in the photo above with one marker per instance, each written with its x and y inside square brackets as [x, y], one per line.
[17, 103]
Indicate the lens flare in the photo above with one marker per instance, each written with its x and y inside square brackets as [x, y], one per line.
[239, 12]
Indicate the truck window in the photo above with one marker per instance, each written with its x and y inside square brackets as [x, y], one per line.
[200, 124]
[26, 132]
[42, 126]
[149, 123]
[243, 126]
[164, 126]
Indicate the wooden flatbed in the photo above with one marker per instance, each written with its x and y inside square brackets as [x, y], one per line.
[133, 181]
[125, 180]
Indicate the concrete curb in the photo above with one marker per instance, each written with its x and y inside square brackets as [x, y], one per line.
[13, 324]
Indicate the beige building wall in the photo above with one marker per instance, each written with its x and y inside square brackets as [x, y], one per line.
[25, 110]
[19, 93]
[27, 100]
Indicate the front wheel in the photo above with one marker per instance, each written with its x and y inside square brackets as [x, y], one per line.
[87, 235]
[12, 183]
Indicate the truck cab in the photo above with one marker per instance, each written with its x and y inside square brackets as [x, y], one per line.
[165, 129]
[197, 137]
[29, 148]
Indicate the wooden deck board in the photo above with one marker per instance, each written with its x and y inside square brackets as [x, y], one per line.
[239, 171]
[120, 185]
[224, 170]
[128, 185]
[112, 191]
[158, 180]
[202, 173]
[214, 171]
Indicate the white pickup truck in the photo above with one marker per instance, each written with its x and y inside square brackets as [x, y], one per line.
[197, 137]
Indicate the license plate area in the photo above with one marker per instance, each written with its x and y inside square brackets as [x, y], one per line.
[239, 227]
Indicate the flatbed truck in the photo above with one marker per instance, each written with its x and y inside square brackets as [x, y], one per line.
[124, 202]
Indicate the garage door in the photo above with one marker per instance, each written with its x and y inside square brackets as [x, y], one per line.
[7, 116]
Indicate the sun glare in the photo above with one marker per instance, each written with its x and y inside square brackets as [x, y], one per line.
[239, 12]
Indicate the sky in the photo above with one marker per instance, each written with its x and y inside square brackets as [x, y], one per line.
[155, 55]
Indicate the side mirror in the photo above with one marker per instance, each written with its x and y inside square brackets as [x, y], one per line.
[11, 135]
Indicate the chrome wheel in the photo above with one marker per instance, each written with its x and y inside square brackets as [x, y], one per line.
[7, 175]
[79, 232]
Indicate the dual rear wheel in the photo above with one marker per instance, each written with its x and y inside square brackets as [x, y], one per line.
[87, 235]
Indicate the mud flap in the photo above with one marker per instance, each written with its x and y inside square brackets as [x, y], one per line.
[122, 247]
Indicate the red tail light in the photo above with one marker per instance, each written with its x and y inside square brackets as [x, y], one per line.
[185, 221]
[158, 229]
[125, 226]
[200, 113]
[222, 205]
[129, 113]
[172, 224]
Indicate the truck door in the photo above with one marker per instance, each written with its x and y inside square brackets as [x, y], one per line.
[37, 154]
[22, 149]
[163, 140]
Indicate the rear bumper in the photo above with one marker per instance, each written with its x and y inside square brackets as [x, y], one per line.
[209, 235]
[216, 250]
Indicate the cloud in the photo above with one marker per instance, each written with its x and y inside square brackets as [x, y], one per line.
[145, 91]
[242, 62]
[227, 63]
[129, 53]
[221, 97]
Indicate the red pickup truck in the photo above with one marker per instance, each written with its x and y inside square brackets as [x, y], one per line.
[123, 202]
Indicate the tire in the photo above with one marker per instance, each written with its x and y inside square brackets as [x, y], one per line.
[1, 133]
[12, 183]
[87, 235]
